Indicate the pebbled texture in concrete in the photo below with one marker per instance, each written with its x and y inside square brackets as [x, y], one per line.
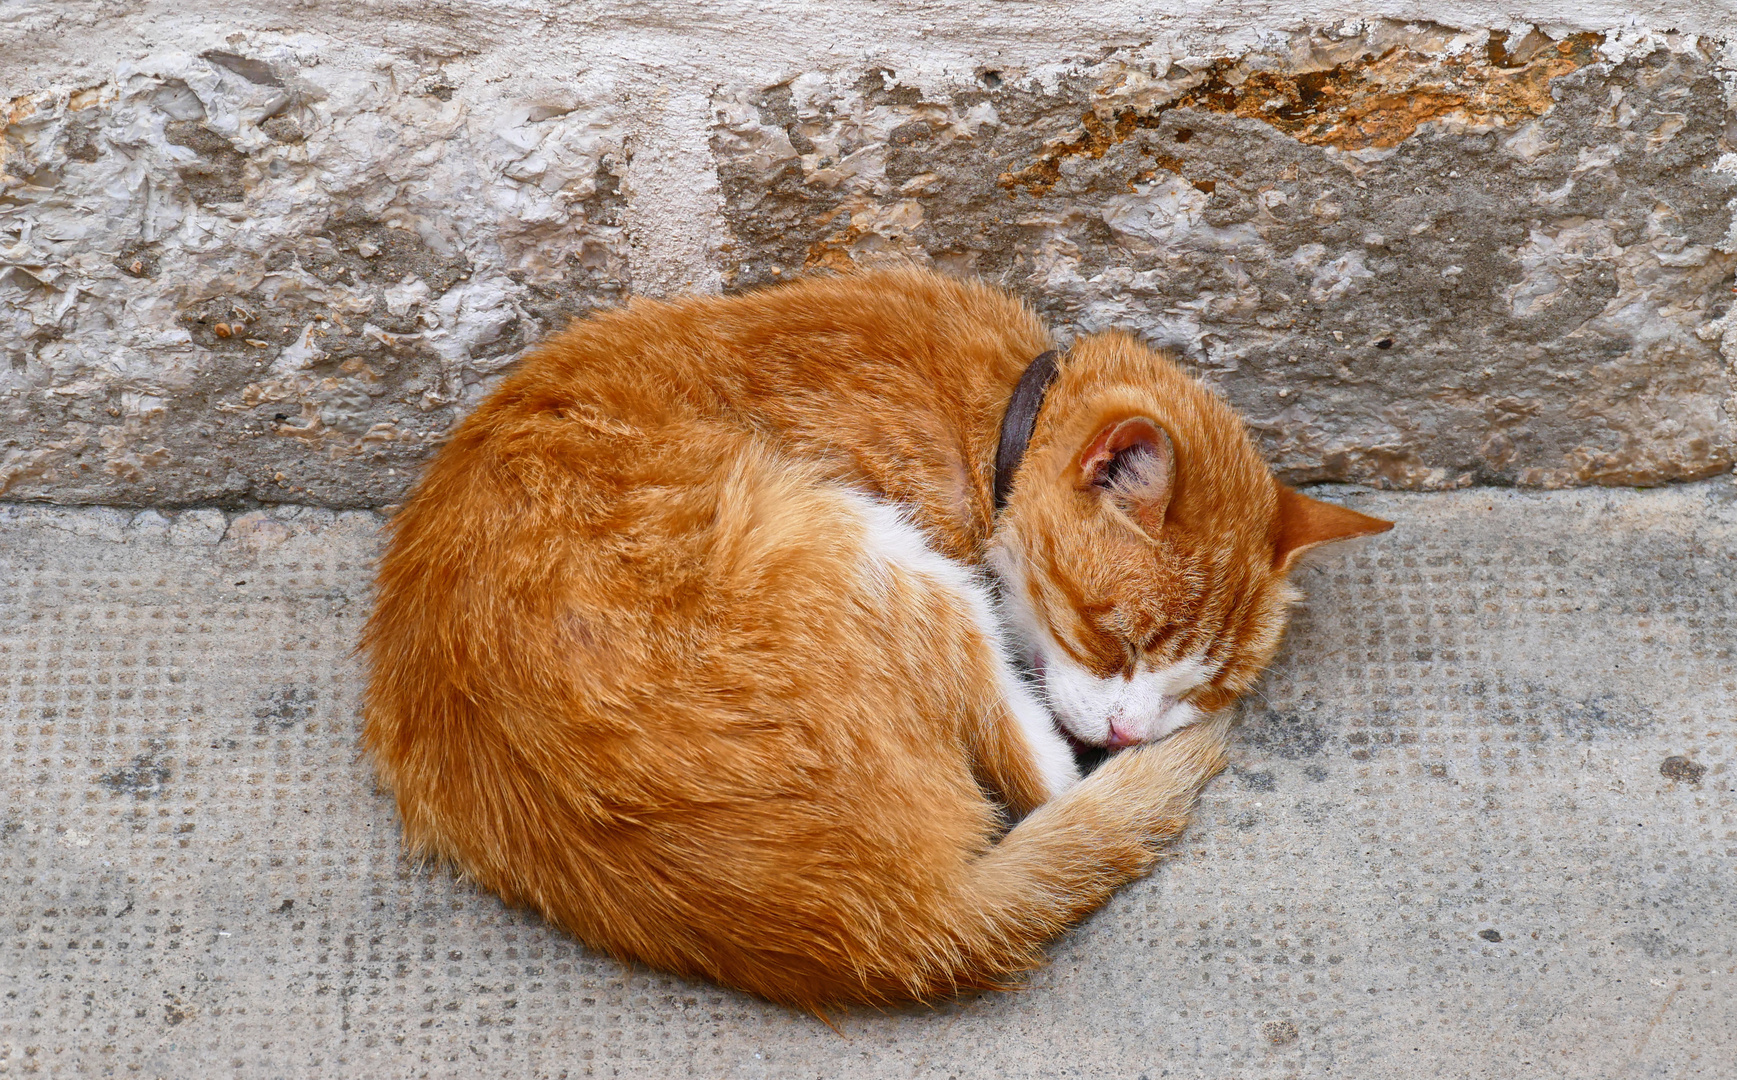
[1481, 823]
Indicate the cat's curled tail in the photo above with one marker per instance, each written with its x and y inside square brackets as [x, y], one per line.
[1064, 860]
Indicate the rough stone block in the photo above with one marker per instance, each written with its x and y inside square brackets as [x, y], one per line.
[277, 266]
[1414, 257]
[230, 277]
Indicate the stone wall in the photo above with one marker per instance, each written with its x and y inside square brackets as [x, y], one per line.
[272, 257]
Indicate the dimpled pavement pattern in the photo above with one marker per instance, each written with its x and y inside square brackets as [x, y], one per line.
[1480, 824]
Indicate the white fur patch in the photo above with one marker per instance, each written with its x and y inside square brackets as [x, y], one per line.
[893, 544]
[1142, 708]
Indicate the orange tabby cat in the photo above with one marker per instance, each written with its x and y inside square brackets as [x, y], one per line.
[687, 638]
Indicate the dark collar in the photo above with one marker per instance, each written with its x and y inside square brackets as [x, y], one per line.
[1017, 423]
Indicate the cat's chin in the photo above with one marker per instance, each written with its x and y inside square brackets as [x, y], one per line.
[1078, 745]
[1086, 756]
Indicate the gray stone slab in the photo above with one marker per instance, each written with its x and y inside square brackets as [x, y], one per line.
[248, 257]
[1481, 823]
[1413, 257]
[260, 277]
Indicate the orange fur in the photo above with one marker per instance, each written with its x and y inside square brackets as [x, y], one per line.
[637, 660]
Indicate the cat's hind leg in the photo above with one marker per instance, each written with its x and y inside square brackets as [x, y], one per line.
[1015, 746]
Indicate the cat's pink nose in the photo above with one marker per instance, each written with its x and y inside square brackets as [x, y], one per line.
[1121, 735]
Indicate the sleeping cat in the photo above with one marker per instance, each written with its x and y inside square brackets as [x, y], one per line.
[707, 634]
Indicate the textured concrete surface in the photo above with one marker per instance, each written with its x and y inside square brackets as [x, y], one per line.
[1481, 823]
[269, 253]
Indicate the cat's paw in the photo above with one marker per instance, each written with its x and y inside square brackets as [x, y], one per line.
[1202, 743]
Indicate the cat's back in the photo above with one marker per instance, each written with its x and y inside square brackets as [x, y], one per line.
[661, 436]
[624, 557]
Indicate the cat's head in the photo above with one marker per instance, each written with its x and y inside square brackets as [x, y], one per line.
[1145, 545]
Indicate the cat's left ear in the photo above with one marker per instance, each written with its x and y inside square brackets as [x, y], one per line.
[1132, 462]
[1305, 523]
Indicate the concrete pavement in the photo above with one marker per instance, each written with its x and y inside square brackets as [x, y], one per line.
[1480, 823]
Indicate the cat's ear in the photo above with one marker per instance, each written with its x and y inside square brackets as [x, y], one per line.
[1305, 523]
[1133, 462]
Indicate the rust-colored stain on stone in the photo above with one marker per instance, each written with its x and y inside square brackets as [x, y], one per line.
[833, 252]
[1096, 138]
[1375, 101]
[838, 251]
[14, 112]
[1380, 101]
